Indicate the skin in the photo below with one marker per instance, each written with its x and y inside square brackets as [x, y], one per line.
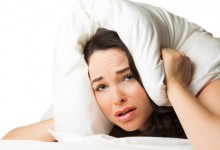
[37, 131]
[116, 91]
[199, 115]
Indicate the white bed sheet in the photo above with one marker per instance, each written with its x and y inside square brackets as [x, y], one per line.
[129, 143]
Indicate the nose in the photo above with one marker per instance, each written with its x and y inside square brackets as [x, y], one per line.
[119, 96]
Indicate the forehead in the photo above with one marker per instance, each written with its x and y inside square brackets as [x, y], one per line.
[102, 61]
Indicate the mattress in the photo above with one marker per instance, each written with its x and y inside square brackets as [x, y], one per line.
[129, 143]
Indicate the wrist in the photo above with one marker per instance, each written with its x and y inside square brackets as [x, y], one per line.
[174, 82]
[173, 85]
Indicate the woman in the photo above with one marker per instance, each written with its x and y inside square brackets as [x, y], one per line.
[162, 121]
[122, 98]
[199, 116]
[104, 48]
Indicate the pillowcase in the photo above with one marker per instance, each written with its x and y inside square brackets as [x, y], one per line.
[145, 30]
[108, 141]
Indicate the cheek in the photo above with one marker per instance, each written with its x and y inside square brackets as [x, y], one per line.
[137, 93]
[145, 104]
[104, 103]
[134, 90]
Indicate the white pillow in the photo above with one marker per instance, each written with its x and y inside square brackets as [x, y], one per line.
[124, 142]
[144, 29]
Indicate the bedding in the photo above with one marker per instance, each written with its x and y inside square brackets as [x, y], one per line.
[100, 142]
[144, 29]
[69, 141]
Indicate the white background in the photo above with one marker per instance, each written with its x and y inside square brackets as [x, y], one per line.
[27, 34]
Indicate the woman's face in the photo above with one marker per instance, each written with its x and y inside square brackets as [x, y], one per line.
[119, 95]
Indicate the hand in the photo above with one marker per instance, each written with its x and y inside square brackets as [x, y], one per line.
[177, 65]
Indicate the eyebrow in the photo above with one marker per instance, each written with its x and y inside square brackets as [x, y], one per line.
[122, 70]
[117, 72]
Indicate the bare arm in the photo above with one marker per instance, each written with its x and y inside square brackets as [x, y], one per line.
[199, 116]
[37, 131]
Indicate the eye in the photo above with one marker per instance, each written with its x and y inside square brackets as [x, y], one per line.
[100, 87]
[128, 77]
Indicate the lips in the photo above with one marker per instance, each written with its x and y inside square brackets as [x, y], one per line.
[124, 111]
[125, 114]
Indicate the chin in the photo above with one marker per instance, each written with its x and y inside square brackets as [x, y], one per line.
[129, 128]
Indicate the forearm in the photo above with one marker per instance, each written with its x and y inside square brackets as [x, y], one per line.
[201, 126]
[37, 131]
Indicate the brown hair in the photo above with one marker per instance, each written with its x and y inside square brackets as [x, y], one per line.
[164, 121]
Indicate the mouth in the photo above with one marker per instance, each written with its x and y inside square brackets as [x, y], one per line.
[126, 114]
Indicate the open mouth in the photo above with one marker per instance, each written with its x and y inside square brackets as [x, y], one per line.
[124, 113]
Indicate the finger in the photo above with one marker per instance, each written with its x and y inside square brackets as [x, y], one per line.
[165, 52]
[183, 54]
[190, 69]
[191, 65]
[188, 58]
